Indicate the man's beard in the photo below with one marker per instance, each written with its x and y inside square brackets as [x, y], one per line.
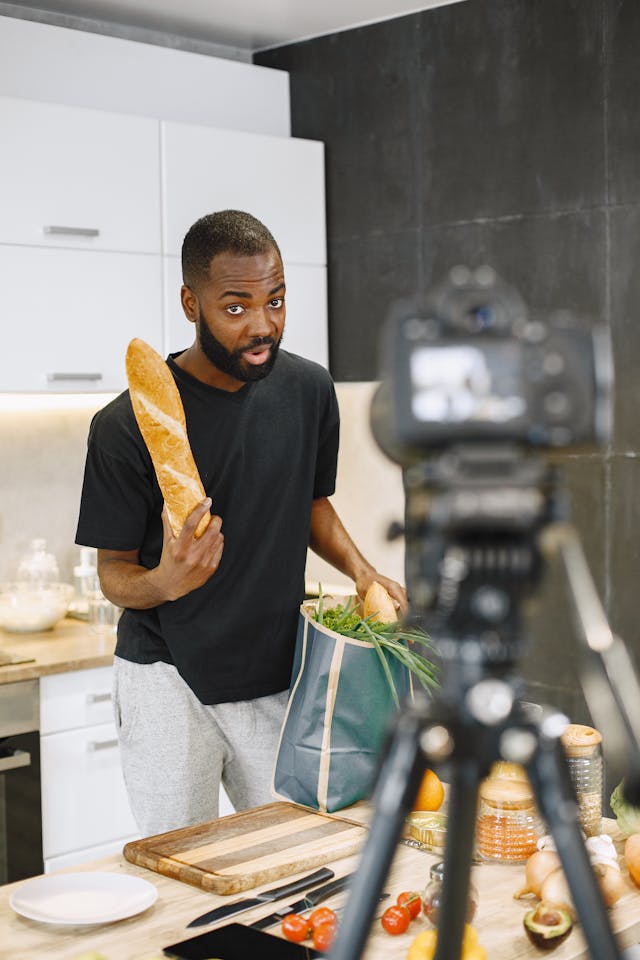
[230, 361]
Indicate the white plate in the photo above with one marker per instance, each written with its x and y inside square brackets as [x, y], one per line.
[76, 898]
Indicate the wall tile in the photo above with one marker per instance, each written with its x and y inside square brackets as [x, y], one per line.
[622, 30]
[625, 323]
[511, 108]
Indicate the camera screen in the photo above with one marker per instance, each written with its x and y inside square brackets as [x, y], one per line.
[465, 382]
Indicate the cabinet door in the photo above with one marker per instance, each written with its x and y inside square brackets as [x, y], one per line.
[280, 180]
[84, 801]
[80, 698]
[306, 330]
[72, 177]
[68, 315]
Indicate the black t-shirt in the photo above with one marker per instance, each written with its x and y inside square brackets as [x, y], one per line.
[263, 453]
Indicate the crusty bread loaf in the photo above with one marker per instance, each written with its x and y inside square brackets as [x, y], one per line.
[158, 409]
[378, 604]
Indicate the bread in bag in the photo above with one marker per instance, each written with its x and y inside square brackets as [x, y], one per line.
[158, 409]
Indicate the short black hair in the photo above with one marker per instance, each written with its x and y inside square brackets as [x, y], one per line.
[221, 232]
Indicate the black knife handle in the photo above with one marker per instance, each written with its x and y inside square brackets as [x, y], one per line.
[327, 890]
[277, 893]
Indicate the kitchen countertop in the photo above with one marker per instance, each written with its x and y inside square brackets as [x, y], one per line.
[498, 920]
[70, 645]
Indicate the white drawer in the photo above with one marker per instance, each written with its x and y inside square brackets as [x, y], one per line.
[88, 854]
[84, 801]
[78, 699]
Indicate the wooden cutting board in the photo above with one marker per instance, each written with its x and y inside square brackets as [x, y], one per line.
[244, 850]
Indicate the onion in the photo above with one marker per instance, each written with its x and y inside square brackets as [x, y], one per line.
[610, 882]
[555, 890]
[538, 867]
[632, 857]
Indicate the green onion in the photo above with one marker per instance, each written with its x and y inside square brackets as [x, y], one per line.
[388, 639]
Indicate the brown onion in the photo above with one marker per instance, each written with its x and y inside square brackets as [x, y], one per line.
[538, 867]
[610, 882]
[555, 890]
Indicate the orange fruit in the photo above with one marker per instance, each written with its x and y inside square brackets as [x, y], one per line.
[430, 792]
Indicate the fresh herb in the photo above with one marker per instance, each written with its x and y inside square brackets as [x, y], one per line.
[388, 639]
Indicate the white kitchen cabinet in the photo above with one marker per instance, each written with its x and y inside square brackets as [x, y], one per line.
[85, 809]
[279, 180]
[73, 177]
[306, 331]
[68, 315]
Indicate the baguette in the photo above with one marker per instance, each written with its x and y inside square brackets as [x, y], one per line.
[160, 415]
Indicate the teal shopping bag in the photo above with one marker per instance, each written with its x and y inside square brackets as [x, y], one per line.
[339, 710]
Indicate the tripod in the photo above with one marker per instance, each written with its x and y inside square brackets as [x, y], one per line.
[471, 562]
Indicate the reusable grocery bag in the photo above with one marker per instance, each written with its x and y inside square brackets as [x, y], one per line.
[340, 707]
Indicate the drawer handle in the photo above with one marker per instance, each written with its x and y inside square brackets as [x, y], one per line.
[17, 758]
[72, 231]
[94, 745]
[57, 377]
[98, 697]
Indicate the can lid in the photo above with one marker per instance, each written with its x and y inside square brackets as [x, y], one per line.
[579, 740]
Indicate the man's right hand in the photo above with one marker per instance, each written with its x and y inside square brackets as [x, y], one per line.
[186, 562]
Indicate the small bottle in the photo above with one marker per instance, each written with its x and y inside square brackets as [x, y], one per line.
[583, 750]
[432, 896]
[508, 825]
[83, 578]
[38, 569]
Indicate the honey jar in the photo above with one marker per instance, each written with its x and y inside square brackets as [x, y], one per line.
[508, 825]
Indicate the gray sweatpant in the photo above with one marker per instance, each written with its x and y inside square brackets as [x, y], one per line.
[176, 751]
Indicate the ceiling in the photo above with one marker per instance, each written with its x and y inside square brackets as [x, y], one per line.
[249, 25]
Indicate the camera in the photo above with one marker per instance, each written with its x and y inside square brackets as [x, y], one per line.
[473, 365]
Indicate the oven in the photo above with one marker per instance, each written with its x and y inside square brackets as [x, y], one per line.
[20, 803]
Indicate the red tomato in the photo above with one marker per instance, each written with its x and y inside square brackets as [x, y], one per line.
[323, 936]
[396, 919]
[321, 916]
[412, 901]
[296, 928]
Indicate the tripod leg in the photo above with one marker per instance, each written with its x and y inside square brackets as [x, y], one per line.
[396, 786]
[463, 798]
[556, 801]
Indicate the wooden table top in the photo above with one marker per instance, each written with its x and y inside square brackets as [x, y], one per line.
[71, 645]
[498, 919]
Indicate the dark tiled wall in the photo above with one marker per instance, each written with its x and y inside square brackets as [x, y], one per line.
[503, 132]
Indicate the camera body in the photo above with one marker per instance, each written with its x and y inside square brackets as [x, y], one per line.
[472, 366]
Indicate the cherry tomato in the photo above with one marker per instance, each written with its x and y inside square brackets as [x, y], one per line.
[412, 900]
[323, 936]
[396, 919]
[295, 927]
[322, 916]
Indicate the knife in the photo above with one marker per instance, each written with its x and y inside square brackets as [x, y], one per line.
[275, 893]
[306, 903]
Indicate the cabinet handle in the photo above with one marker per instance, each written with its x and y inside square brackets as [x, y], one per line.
[76, 377]
[72, 231]
[94, 745]
[17, 758]
[98, 697]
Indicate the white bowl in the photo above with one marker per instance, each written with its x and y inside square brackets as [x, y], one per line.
[24, 609]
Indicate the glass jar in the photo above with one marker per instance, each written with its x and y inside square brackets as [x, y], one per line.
[432, 897]
[508, 825]
[583, 750]
[38, 568]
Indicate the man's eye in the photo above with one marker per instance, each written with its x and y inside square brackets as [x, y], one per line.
[235, 309]
[277, 302]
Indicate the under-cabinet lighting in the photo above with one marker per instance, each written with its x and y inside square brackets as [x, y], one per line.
[53, 401]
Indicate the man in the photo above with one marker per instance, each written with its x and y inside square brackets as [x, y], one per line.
[205, 642]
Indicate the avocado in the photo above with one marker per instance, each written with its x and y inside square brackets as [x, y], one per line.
[547, 925]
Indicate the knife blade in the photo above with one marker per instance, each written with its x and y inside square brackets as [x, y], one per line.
[275, 893]
[306, 903]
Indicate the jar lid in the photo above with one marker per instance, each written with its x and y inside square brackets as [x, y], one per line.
[510, 794]
[579, 740]
[437, 871]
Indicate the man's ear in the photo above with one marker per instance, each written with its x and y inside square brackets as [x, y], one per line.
[189, 303]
